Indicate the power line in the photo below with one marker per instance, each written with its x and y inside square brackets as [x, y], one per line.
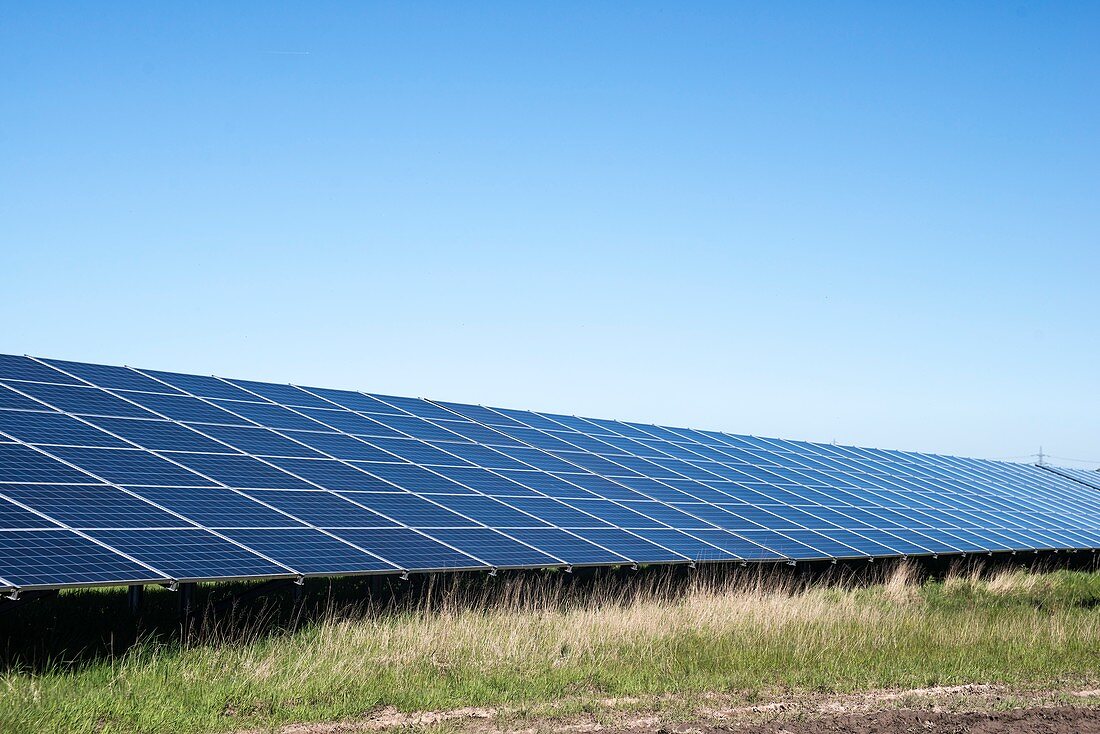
[1042, 456]
[1066, 458]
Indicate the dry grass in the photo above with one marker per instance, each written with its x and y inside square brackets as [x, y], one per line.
[520, 643]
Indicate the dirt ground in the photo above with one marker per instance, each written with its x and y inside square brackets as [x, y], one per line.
[973, 709]
[1054, 720]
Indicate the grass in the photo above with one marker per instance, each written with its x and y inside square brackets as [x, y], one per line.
[537, 640]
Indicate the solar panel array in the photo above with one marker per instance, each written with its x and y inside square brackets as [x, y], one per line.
[1091, 478]
[113, 475]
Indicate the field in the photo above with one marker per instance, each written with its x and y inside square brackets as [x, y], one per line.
[549, 651]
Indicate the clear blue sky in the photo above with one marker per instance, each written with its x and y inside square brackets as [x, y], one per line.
[873, 224]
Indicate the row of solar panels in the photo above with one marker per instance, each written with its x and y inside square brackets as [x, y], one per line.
[1089, 478]
[116, 475]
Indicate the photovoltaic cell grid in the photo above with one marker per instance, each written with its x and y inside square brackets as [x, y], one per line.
[1091, 478]
[118, 475]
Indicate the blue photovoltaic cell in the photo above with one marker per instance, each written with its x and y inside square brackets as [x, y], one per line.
[642, 449]
[416, 406]
[257, 441]
[523, 417]
[488, 511]
[1090, 478]
[556, 512]
[695, 548]
[747, 547]
[685, 490]
[629, 545]
[763, 518]
[1084, 538]
[240, 471]
[616, 428]
[340, 446]
[24, 368]
[411, 550]
[372, 482]
[646, 494]
[185, 408]
[547, 484]
[1028, 539]
[486, 482]
[642, 468]
[480, 414]
[414, 479]
[934, 545]
[602, 486]
[596, 464]
[282, 394]
[216, 507]
[615, 514]
[189, 554]
[83, 400]
[11, 399]
[409, 509]
[416, 451]
[543, 440]
[356, 401]
[53, 428]
[1052, 539]
[20, 463]
[895, 542]
[353, 423]
[91, 506]
[271, 416]
[720, 492]
[321, 508]
[112, 378]
[574, 550]
[481, 456]
[828, 544]
[14, 517]
[129, 466]
[54, 558]
[577, 424]
[537, 459]
[960, 539]
[996, 541]
[860, 542]
[418, 428]
[329, 473]
[673, 516]
[159, 435]
[495, 548]
[479, 433]
[782, 543]
[310, 551]
[201, 385]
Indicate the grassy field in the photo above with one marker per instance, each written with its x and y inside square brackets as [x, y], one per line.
[71, 666]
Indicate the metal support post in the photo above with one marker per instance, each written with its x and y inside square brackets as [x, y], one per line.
[135, 597]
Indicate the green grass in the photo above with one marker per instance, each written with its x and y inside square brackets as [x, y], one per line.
[74, 667]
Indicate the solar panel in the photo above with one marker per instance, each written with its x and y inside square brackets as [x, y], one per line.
[192, 554]
[51, 558]
[412, 550]
[91, 506]
[1091, 478]
[112, 475]
[311, 552]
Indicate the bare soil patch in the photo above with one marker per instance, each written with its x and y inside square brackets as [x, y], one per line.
[1052, 720]
[968, 709]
